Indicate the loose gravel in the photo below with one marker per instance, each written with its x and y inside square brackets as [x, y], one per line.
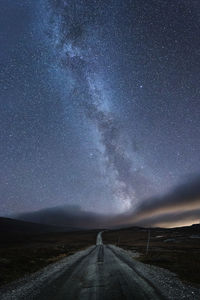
[167, 282]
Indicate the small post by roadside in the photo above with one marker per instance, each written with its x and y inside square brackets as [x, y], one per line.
[118, 241]
[148, 240]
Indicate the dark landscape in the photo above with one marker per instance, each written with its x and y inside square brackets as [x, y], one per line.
[176, 249]
[27, 247]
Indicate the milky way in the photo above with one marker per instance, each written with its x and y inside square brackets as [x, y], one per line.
[99, 102]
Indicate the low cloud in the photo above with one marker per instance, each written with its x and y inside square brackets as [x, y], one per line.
[67, 216]
[171, 219]
[181, 203]
[180, 207]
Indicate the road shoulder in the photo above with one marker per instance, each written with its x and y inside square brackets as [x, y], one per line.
[168, 282]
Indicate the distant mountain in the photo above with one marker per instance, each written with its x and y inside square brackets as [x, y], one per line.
[67, 216]
[72, 217]
[8, 225]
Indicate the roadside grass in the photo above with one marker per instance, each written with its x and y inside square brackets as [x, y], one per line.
[172, 249]
[185, 263]
[29, 253]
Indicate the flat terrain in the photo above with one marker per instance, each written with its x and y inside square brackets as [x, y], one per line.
[37, 264]
[99, 272]
[176, 249]
[26, 247]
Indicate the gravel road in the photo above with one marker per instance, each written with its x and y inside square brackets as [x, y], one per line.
[100, 272]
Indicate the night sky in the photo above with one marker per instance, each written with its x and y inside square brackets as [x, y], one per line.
[100, 108]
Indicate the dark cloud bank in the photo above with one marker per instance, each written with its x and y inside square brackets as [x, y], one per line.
[181, 205]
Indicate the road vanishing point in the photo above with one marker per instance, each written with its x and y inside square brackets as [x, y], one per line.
[100, 272]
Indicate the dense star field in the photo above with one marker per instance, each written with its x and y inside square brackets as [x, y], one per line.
[99, 109]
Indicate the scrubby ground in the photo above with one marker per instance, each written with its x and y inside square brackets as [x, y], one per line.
[24, 254]
[177, 249]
